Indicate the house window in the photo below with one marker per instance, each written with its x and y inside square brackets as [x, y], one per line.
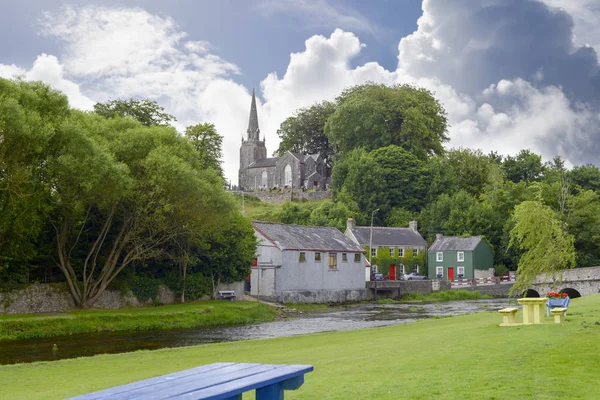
[302, 257]
[400, 252]
[439, 272]
[460, 256]
[317, 257]
[439, 256]
[374, 252]
[287, 171]
[332, 260]
[460, 271]
[344, 257]
[402, 271]
[415, 252]
[356, 257]
[391, 252]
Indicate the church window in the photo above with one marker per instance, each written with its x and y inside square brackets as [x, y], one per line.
[288, 175]
[264, 178]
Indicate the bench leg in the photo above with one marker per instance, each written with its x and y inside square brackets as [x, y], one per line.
[273, 392]
[559, 318]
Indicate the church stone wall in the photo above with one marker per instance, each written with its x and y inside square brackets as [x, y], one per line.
[284, 195]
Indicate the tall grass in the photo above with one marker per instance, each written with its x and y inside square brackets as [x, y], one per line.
[192, 315]
[447, 295]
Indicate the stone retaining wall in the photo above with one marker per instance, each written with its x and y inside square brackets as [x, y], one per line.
[322, 296]
[282, 197]
[50, 298]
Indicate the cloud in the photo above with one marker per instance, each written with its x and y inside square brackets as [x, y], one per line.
[469, 47]
[48, 69]
[319, 14]
[511, 74]
[586, 19]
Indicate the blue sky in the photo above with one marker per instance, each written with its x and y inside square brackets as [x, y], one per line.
[512, 74]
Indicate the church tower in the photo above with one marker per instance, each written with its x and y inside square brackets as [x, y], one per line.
[253, 148]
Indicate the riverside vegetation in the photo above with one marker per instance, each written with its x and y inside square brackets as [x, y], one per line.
[467, 357]
[204, 314]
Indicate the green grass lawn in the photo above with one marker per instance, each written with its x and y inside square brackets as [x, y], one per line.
[463, 357]
[258, 210]
[177, 316]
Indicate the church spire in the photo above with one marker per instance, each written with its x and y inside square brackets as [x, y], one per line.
[253, 131]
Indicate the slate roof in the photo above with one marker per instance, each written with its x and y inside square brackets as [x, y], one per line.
[264, 162]
[383, 236]
[455, 243]
[314, 238]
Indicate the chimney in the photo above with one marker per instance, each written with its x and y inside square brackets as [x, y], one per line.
[350, 224]
[413, 225]
[438, 236]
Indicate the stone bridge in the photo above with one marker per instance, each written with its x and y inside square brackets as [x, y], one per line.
[575, 282]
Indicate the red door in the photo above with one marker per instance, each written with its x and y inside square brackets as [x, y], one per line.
[392, 272]
[450, 273]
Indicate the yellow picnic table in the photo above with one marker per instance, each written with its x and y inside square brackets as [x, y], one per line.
[533, 309]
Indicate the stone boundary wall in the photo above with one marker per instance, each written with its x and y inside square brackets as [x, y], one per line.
[52, 298]
[498, 290]
[322, 296]
[282, 197]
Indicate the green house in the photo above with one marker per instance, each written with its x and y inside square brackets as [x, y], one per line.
[453, 257]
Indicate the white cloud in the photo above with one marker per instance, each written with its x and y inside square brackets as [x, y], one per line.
[48, 69]
[10, 71]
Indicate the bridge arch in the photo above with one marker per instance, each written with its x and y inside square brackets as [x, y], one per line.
[531, 293]
[572, 293]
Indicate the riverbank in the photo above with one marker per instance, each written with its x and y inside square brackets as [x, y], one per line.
[203, 314]
[467, 357]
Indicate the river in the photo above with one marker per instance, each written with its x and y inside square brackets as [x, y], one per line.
[347, 318]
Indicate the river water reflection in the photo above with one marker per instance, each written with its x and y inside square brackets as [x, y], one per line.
[352, 317]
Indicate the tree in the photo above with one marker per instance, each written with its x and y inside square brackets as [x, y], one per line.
[304, 133]
[30, 113]
[469, 169]
[586, 177]
[145, 111]
[228, 251]
[208, 144]
[583, 222]
[525, 166]
[123, 192]
[547, 247]
[374, 115]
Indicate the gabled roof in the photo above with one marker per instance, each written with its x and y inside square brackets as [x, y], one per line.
[313, 238]
[264, 162]
[455, 243]
[383, 236]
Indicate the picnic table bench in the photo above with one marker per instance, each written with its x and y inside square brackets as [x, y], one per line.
[213, 381]
[226, 294]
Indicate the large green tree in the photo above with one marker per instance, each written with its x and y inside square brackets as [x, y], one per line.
[525, 166]
[123, 192]
[146, 111]
[374, 115]
[208, 144]
[304, 133]
[547, 247]
[30, 114]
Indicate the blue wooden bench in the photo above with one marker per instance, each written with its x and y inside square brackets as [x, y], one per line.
[213, 381]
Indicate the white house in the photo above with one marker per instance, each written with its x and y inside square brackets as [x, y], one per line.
[307, 264]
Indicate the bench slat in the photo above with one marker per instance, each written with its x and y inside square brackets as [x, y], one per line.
[277, 376]
[159, 380]
[196, 382]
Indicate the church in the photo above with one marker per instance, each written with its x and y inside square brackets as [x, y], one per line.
[257, 172]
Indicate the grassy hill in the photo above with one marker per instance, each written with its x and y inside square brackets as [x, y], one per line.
[258, 210]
